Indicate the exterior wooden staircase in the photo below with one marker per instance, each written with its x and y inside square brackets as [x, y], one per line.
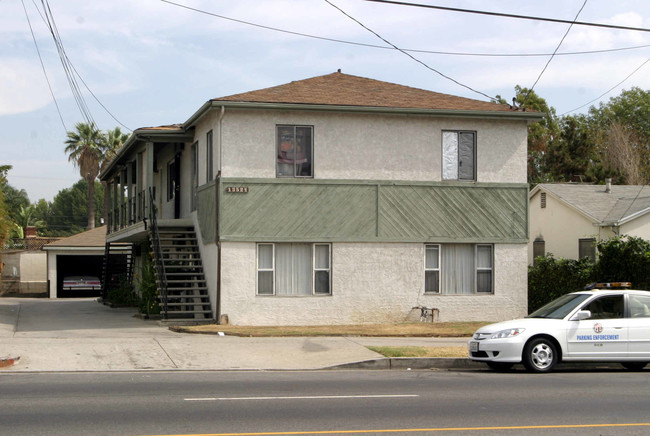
[117, 267]
[180, 277]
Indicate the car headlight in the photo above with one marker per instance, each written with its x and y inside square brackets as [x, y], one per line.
[508, 333]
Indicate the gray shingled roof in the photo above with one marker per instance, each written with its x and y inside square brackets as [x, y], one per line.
[621, 204]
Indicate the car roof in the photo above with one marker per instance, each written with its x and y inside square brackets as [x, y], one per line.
[614, 291]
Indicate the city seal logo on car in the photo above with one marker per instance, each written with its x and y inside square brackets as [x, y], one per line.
[598, 328]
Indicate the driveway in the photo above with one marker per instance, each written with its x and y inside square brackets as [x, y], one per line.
[83, 335]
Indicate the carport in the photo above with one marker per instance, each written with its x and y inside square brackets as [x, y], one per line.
[81, 254]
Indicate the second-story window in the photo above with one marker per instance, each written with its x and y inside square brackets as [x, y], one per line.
[294, 151]
[458, 155]
[209, 156]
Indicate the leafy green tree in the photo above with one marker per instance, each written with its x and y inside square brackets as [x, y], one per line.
[14, 200]
[621, 129]
[85, 149]
[25, 218]
[113, 141]
[69, 209]
[5, 222]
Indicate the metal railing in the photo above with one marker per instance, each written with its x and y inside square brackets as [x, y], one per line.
[157, 254]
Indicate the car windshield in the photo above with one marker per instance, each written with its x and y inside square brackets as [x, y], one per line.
[561, 307]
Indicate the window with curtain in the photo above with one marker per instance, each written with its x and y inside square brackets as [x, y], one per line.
[294, 151]
[587, 248]
[458, 155]
[293, 269]
[459, 268]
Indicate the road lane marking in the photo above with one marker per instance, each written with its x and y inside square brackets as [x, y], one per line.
[421, 430]
[311, 397]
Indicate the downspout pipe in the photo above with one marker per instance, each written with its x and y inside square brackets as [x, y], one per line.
[217, 188]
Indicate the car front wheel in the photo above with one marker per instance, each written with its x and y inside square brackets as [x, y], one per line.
[634, 366]
[540, 355]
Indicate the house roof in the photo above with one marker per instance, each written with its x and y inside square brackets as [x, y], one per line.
[92, 238]
[622, 204]
[346, 90]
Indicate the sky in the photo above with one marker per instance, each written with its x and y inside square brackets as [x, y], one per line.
[152, 62]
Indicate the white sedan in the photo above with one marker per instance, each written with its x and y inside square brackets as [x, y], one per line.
[82, 283]
[588, 326]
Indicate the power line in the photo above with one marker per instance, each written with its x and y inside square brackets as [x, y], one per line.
[408, 54]
[384, 47]
[610, 89]
[522, 17]
[553, 55]
[43, 67]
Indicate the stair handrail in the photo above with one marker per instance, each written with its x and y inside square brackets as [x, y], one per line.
[157, 250]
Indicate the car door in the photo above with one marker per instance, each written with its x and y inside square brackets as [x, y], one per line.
[604, 335]
[639, 326]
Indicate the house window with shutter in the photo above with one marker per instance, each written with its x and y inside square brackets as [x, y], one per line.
[587, 248]
[458, 155]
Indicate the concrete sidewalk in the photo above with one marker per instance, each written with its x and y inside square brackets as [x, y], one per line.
[83, 335]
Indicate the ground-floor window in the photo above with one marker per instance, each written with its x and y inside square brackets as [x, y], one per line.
[293, 269]
[458, 268]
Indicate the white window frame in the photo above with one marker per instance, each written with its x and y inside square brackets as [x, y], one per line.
[272, 269]
[478, 269]
[458, 163]
[427, 269]
[311, 151]
[209, 157]
[314, 270]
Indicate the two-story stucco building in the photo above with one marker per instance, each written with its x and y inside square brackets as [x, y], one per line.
[332, 200]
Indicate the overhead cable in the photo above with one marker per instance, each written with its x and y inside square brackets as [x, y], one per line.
[49, 85]
[408, 54]
[522, 17]
[610, 89]
[553, 55]
[388, 47]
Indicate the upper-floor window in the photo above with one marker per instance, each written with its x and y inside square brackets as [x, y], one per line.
[458, 155]
[209, 157]
[295, 148]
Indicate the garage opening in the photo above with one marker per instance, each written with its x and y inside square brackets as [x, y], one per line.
[83, 265]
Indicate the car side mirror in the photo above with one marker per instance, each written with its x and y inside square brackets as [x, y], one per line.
[580, 315]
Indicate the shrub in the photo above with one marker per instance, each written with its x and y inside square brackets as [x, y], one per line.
[625, 259]
[550, 278]
[148, 303]
[123, 295]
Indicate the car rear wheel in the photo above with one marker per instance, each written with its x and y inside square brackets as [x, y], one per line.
[634, 366]
[540, 355]
[500, 366]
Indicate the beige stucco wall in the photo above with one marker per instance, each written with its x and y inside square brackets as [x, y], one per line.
[375, 147]
[371, 283]
[561, 227]
[639, 227]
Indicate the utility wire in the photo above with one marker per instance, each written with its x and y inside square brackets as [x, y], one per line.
[610, 89]
[408, 54]
[43, 67]
[384, 47]
[522, 17]
[553, 55]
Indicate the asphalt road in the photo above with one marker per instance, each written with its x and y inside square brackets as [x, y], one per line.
[326, 402]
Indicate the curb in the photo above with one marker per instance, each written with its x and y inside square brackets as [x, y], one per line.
[412, 363]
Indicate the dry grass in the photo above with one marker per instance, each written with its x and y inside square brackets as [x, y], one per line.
[421, 351]
[451, 329]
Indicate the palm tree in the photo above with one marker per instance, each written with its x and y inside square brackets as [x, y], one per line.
[113, 140]
[85, 150]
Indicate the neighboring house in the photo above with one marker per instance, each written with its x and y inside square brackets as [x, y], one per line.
[23, 268]
[331, 200]
[568, 219]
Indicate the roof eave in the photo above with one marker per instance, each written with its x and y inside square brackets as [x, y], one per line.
[528, 116]
[146, 135]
